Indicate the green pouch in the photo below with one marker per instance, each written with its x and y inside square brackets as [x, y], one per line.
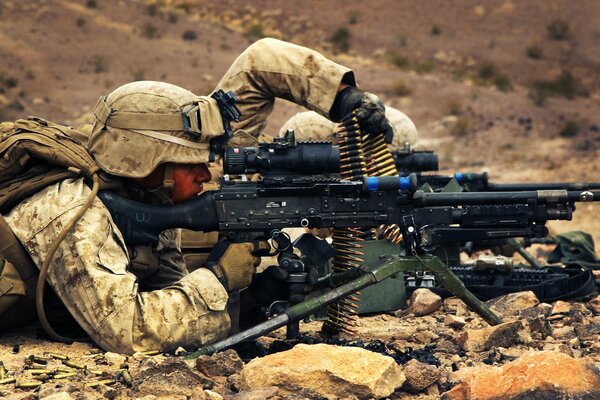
[575, 247]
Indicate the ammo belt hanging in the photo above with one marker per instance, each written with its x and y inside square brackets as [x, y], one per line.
[361, 154]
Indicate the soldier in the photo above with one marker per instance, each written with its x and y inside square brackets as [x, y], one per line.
[309, 125]
[130, 299]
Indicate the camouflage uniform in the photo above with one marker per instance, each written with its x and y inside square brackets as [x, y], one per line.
[309, 125]
[90, 271]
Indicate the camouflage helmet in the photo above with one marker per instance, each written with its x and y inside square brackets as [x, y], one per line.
[308, 125]
[403, 127]
[140, 125]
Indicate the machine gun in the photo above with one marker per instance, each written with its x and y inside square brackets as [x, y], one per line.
[300, 189]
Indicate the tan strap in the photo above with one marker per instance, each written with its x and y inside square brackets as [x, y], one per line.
[174, 139]
[203, 118]
[169, 178]
[101, 110]
[143, 121]
[158, 122]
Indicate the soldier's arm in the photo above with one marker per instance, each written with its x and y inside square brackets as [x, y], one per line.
[270, 68]
[89, 274]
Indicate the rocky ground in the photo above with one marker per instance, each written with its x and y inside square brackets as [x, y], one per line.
[434, 349]
[508, 87]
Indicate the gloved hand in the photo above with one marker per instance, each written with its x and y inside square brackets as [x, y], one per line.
[234, 264]
[271, 284]
[370, 111]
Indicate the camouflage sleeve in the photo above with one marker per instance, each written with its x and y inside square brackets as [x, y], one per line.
[89, 274]
[270, 68]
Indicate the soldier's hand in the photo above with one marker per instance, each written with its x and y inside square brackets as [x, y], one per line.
[367, 108]
[234, 264]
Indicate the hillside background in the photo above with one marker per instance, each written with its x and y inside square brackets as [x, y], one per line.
[508, 87]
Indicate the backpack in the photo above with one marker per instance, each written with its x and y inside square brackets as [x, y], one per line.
[34, 154]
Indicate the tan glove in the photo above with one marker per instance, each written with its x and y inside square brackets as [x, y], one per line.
[237, 262]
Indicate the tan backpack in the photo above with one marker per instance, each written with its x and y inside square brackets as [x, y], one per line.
[35, 153]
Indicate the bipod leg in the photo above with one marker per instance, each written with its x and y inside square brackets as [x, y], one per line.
[446, 277]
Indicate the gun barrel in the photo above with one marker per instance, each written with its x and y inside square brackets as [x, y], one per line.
[570, 186]
[514, 197]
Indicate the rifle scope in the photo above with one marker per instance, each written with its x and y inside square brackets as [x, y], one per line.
[283, 158]
[415, 161]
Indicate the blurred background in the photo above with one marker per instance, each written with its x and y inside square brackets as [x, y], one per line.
[511, 87]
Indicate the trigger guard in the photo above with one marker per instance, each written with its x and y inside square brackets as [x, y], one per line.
[275, 246]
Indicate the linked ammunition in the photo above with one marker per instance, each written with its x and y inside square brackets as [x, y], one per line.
[6, 381]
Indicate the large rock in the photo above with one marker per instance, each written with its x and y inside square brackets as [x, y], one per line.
[424, 302]
[502, 335]
[330, 371]
[511, 304]
[419, 375]
[561, 307]
[536, 375]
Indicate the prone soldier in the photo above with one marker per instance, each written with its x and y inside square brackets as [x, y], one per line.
[152, 141]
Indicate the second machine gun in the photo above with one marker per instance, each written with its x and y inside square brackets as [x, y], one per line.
[424, 163]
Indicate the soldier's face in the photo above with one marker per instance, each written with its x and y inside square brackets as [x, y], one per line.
[188, 179]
